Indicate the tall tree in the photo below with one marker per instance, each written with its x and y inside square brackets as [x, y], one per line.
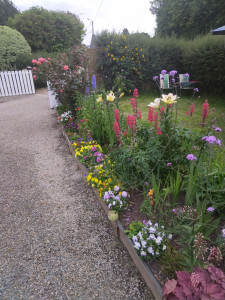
[187, 18]
[7, 9]
[48, 30]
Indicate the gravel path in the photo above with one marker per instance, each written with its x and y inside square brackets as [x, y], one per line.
[55, 240]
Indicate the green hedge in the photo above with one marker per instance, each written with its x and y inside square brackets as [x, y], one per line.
[203, 58]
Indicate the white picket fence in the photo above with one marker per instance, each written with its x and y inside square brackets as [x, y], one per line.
[14, 83]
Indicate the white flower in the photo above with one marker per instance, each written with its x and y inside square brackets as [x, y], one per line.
[155, 104]
[164, 248]
[143, 243]
[158, 240]
[151, 237]
[134, 238]
[137, 245]
[143, 253]
[152, 230]
[170, 237]
[150, 250]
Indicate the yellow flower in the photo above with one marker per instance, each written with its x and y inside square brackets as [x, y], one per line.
[96, 180]
[121, 95]
[111, 55]
[89, 177]
[111, 96]
[125, 47]
[114, 58]
[99, 98]
[111, 42]
[169, 99]
[108, 54]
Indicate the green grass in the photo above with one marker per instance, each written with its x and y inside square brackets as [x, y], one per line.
[216, 110]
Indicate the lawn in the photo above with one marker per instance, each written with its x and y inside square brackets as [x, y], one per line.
[216, 109]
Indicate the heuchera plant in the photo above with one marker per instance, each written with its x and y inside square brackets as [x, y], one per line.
[202, 284]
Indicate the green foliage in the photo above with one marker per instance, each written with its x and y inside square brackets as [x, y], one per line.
[13, 48]
[118, 58]
[7, 9]
[48, 30]
[187, 18]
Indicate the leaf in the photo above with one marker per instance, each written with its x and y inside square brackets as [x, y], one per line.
[169, 287]
[217, 275]
[213, 292]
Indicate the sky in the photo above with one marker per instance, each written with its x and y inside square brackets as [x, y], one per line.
[104, 14]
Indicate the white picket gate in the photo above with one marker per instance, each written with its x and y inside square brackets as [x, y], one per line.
[14, 83]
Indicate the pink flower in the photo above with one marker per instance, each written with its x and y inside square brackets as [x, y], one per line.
[34, 77]
[38, 63]
[34, 68]
[117, 115]
[150, 115]
[162, 109]
[125, 133]
[131, 121]
[133, 103]
[205, 110]
[41, 59]
[116, 129]
[61, 91]
[34, 61]
[135, 93]
[158, 131]
[192, 109]
[65, 67]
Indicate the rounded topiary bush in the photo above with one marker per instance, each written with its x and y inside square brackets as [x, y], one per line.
[13, 47]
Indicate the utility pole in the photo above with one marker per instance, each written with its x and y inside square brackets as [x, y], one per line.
[93, 35]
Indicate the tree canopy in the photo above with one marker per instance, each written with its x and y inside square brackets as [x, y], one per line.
[7, 9]
[187, 19]
[48, 30]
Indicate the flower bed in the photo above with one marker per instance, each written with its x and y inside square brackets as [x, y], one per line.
[165, 183]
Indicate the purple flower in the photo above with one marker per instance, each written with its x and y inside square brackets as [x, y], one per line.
[93, 149]
[155, 78]
[85, 157]
[124, 194]
[218, 142]
[163, 72]
[196, 90]
[87, 90]
[218, 129]
[173, 80]
[223, 233]
[191, 157]
[116, 188]
[210, 209]
[174, 210]
[169, 164]
[173, 73]
[146, 183]
[93, 82]
[98, 159]
[186, 75]
[95, 154]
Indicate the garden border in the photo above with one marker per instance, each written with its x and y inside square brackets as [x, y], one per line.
[146, 273]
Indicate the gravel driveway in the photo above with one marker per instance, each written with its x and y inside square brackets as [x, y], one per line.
[55, 240]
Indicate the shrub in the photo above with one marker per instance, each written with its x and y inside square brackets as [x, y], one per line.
[13, 48]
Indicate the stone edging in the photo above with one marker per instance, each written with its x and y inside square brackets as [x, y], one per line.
[119, 231]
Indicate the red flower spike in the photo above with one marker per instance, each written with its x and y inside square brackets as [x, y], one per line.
[150, 115]
[117, 115]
